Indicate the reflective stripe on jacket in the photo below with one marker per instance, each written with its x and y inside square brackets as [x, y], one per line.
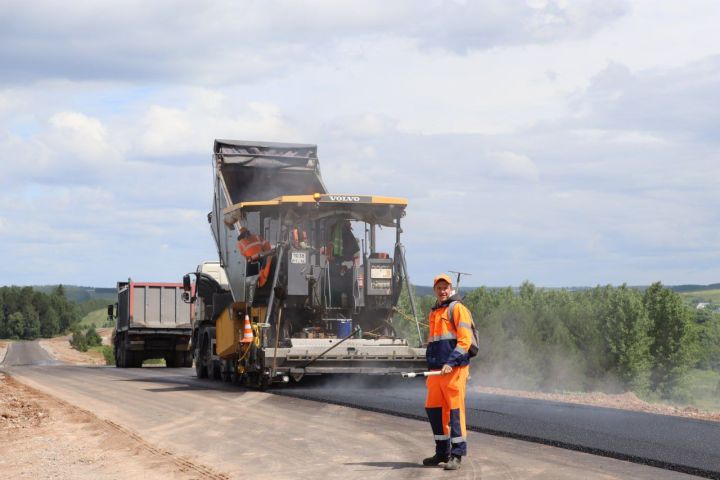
[449, 339]
[252, 245]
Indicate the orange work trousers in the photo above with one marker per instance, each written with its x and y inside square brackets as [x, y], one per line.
[445, 407]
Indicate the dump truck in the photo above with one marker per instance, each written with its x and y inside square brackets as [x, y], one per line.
[151, 321]
[307, 281]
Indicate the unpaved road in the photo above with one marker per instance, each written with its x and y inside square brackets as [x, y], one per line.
[238, 433]
[42, 437]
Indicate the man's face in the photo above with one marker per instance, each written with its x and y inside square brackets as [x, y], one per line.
[443, 290]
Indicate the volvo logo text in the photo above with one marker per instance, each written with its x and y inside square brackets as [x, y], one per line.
[344, 198]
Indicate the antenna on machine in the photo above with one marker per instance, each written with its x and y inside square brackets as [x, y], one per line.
[459, 274]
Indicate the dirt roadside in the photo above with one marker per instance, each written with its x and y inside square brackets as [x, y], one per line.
[622, 401]
[59, 348]
[46, 438]
[3, 349]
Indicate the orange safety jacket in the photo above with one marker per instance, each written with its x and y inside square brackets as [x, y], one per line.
[449, 339]
[253, 245]
[297, 237]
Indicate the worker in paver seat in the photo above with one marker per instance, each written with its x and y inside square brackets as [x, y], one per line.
[250, 246]
[447, 350]
[344, 245]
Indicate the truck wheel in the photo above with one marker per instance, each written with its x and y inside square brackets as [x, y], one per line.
[170, 360]
[234, 375]
[226, 369]
[134, 359]
[214, 369]
[122, 358]
[177, 359]
[187, 360]
[201, 370]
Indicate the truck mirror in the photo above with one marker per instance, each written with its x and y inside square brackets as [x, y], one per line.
[110, 311]
[187, 298]
[186, 282]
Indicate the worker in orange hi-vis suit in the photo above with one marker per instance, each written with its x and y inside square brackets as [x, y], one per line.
[250, 246]
[448, 345]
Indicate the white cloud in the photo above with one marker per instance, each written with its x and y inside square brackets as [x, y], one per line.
[191, 127]
[79, 135]
[168, 131]
[226, 42]
[561, 142]
[512, 164]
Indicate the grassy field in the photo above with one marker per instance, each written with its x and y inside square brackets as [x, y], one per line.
[704, 387]
[155, 361]
[96, 317]
[702, 296]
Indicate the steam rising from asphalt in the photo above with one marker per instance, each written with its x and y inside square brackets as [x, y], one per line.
[565, 375]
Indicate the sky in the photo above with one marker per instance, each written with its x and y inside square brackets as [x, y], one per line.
[566, 143]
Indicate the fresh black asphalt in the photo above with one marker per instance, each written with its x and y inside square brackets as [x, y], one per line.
[676, 443]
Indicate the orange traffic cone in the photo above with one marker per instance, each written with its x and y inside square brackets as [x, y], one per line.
[247, 331]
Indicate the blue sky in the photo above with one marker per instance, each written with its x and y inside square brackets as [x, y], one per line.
[561, 142]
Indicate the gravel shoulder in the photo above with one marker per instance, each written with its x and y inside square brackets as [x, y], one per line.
[46, 438]
[60, 349]
[623, 401]
[3, 349]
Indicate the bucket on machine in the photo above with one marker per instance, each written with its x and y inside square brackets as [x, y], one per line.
[344, 328]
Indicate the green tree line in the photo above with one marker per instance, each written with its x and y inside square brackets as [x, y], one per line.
[28, 314]
[606, 338]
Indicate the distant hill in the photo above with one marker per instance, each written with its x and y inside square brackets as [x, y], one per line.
[422, 290]
[80, 294]
[695, 288]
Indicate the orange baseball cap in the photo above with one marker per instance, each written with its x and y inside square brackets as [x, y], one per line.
[443, 277]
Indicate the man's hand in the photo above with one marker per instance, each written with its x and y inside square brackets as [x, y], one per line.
[446, 369]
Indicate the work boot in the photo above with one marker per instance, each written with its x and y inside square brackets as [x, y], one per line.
[453, 463]
[435, 460]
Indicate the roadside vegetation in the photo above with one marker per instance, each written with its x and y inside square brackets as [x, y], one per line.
[611, 339]
[108, 353]
[84, 338]
[28, 314]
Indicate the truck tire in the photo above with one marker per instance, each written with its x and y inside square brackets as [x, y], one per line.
[226, 370]
[170, 360]
[134, 359]
[214, 369]
[201, 370]
[177, 359]
[234, 375]
[119, 351]
[122, 358]
[187, 360]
